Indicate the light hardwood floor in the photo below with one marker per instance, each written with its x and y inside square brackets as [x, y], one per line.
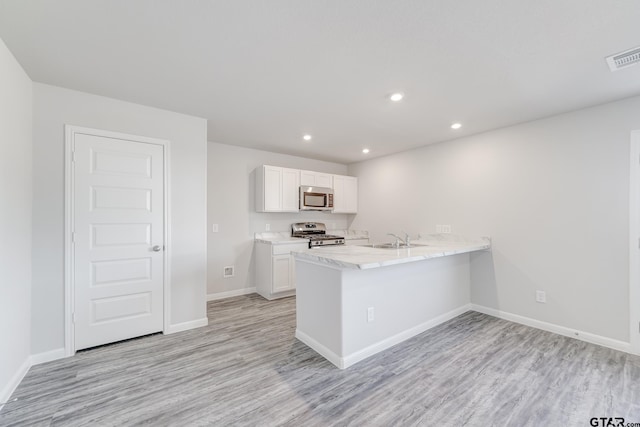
[247, 369]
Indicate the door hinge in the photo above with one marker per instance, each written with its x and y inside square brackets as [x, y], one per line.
[73, 156]
[73, 237]
[73, 317]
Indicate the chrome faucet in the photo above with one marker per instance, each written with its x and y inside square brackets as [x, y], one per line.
[406, 241]
[397, 243]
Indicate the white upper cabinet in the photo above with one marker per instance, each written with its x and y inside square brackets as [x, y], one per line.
[345, 194]
[290, 186]
[316, 179]
[277, 189]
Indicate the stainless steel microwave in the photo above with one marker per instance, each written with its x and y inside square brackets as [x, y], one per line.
[316, 198]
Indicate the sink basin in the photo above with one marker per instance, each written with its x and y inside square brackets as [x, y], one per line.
[392, 246]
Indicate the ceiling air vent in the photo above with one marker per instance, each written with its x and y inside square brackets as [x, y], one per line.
[624, 59]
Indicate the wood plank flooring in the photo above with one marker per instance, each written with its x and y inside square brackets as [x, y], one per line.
[247, 369]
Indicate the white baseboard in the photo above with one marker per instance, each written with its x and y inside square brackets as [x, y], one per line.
[556, 329]
[48, 356]
[320, 349]
[351, 359]
[402, 336]
[229, 294]
[185, 326]
[14, 382]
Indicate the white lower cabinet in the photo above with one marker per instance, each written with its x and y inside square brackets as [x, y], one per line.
[275, 269]
[283, 273]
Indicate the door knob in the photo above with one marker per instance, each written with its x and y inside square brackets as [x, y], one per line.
[157, 248]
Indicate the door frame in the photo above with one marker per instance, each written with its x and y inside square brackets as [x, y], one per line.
[70, 132]
[634, 243]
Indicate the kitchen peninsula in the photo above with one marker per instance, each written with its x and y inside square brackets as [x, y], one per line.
[355, 301]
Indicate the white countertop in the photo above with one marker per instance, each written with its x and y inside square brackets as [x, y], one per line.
[360, 257]
[284, 237]
[278, 238]
[350, 234]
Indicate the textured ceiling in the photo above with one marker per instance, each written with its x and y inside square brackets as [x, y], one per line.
[265, 72]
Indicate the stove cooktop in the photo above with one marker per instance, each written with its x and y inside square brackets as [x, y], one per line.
[325, 237]
[316, 233]
[325, 240]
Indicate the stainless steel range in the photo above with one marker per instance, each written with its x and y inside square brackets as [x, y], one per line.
[316, 232]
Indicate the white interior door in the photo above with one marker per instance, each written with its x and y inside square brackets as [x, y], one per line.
[118, 238]
[634, 243]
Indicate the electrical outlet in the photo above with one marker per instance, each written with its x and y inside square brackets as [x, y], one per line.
[228, 271]
[267, 227]
[214, 228]
[370, 315]
[443, 228]
[541, 296]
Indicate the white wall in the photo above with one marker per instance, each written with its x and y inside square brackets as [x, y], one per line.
[53, 108]
[231, 205]
[553, 195]
[15, 221]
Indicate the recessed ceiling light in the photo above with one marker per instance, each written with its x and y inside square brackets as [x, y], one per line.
[365, 150]
[456, 126]
[307, 137]
[396, 97]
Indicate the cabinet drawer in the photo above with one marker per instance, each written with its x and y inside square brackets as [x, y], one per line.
[286, 249]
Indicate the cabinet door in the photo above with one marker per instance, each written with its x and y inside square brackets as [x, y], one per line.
[307, 178]
[290, 189]
[345, 194]
[351, 194]
[324, 180]
[292, 271]
[282, 279]
[338, 194]
[316, 179]
[272, 189]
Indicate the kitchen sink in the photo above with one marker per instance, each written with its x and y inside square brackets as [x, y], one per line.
[393, 245]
